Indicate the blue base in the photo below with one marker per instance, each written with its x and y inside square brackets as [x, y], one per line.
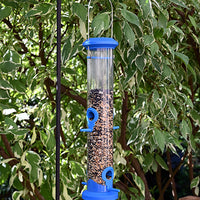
[112, 195]
[97, 191]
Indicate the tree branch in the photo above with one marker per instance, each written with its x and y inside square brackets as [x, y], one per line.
[41, 46]
[67, 91]
[174, 193]
[191, 173]
[7, 145]
[174, 173]
[159, 181]
[122, 138]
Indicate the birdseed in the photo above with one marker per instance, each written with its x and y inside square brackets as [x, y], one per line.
[100, 140]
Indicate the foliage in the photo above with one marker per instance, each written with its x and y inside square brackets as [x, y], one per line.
[157, 96]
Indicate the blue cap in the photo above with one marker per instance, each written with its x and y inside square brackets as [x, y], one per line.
[95, 43]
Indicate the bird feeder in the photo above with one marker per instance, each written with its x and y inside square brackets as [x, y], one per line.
[100, 173]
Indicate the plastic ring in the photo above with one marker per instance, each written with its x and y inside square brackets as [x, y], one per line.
[92, 115]
[109, 171]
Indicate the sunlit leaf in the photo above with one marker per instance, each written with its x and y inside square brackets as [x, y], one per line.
[101, 22]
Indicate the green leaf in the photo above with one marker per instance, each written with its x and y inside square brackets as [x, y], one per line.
[33, 158]
[129, 34]
[140, 62]
[179, 3]
[148, 161]
[162, 21]
[140, 184]
[16, 195]
[46, 190]
[159, 139]
[8, 66]
[193, 21]
[17, 149]
[158, 32]
[5, 85]
[183, 57]
[195, 182]
[166, 72]
[178, 30]
[155, 95]
[161, 162]
[4, 94]
[5, 172]
[19, 131]
[185, 129]
[83, 29]
[33, 12]
[130, 17]
[154, 48]
[146, 8]
[100, 22]
[148, 39]
[173, 110]
[118, 33]
[12, 56]
[10, 122]
[195, 116]
[156, 64]
[69, 70]
[33, 175]
[17, 184]
[4, 12]
[80, 11]
[18, 85]
[66, 50]
[51, 142]
[45, 8]
[191, 69]
[77, 169]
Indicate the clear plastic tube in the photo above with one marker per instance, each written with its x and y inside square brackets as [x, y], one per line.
[100, 97]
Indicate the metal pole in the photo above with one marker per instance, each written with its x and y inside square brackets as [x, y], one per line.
[58, 98]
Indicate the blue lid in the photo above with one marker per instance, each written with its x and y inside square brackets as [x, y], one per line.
[95, 43]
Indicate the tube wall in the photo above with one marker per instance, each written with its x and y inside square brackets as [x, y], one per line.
[100, 97]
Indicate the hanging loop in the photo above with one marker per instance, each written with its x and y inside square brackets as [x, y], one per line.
[111, 23]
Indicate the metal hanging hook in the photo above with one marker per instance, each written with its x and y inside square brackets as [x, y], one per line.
[111, 24]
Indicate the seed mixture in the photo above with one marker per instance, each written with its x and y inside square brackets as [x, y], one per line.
[100, 140]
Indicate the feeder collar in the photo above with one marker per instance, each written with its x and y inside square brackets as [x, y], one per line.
[95, 43]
